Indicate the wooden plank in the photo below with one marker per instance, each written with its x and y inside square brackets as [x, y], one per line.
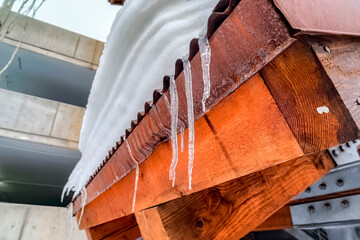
[150, 224]
[340, 57]
[229, 144]
[233, 209]
[117, 228]
[279, 220]
[300, 86]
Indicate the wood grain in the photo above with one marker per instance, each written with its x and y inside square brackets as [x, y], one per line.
[299, 86]
[150, 225]
[340, 57]
[279, 220]
[115, 229]
[232, 209]
[229, 144]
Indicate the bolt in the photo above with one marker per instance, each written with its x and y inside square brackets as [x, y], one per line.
[327, 49]
[322, 186]
[345, 204]
[311, 209]
[327, 206]
[340, 182]
[334, 152]
[308, 190]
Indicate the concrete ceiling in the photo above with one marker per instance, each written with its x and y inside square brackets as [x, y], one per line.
[34, 173]
[38, 75]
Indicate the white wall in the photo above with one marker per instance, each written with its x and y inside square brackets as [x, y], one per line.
[29, 222]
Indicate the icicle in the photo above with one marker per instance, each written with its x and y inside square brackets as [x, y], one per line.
[137, 174]
[182, 140]
[190, 110]
[69, 216]
[174, 124]
[83, 202]
[205, 53]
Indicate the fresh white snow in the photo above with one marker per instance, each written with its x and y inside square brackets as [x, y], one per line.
[145, 40]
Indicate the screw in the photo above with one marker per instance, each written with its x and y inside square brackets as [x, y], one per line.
[334, 152]
[345, 204]
[327, 206]
[308, 190]
[311, 209]
[340, 182]
[322, 186]
[327, 49]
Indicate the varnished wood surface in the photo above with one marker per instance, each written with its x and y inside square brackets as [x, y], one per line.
[243, 134]
[119, 227]
[340, 57]
[279, 220]
[150, 225]
[232, 209]
[300, 86]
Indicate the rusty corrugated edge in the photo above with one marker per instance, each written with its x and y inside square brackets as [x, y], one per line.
[257, 34]
[322, 17]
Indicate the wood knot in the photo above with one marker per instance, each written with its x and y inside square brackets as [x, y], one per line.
[214, 199]
[199, 224]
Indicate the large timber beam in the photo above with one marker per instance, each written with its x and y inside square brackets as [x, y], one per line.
[229, 144]
[232, 209]
[309, 100]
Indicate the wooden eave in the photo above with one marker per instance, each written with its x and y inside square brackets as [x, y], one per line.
[266, 87]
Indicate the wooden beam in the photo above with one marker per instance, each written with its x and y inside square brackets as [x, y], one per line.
[279, 220]
[123, 228]
[233, 209]
[229, 144]
[300, 86]
[340, 57]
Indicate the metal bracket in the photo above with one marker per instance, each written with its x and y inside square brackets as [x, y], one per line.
[346, 153]
[340, 180]
[334, 212]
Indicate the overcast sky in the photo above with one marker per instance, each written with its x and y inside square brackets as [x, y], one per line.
[91, 18]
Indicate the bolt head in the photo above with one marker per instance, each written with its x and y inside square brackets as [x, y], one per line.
[311, 209]
[345, 203]
[327, 206]
[340, 182]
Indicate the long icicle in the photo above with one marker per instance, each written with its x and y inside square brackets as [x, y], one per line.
[174, 125]
[83, 202]
[205, 53]
[190, 111]
[137, 174]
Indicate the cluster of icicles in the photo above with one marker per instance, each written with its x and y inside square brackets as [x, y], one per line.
[205, 53]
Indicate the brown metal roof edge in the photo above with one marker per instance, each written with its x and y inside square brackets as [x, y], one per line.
[322, 17]
[259, 33]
